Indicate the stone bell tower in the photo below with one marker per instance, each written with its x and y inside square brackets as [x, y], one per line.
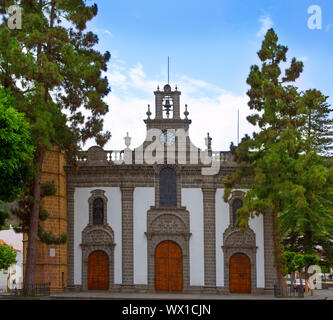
[167, 101]
[167, 110]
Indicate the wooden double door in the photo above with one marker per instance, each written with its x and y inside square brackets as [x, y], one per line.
[240, 273]
[98, 271]
[168, 267]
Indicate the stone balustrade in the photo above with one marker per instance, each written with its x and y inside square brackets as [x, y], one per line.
[97, 155]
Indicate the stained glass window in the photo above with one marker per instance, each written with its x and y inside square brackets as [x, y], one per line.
[236, 204]
[168, 188]
[98, 211]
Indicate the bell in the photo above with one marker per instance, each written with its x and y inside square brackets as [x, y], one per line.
[167, 107]
[167, 104]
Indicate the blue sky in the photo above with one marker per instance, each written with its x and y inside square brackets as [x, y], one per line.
[211, 45]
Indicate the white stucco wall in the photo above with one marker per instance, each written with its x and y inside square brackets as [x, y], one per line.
[257, 225]
[192, 199]
[221, 223]
[81, 219]
[143, 199]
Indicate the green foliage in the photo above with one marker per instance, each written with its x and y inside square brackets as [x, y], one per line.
[6, 219]
[318, 127]
[296, 261]
[7, 256]
[4, 215]
[282, 165]
[268, 155]
[48, 189]
[48, 238]
[55, 75]
[310, 259]
[24, 207]
[15, 148]
[327, 253]
[325, 268]
[300, 262]
[289, 262]
[51, 68]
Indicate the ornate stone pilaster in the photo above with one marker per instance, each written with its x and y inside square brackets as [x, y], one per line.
[158, 104]
[176, 107]
[270, 272]
[127, 235]
[209, 236]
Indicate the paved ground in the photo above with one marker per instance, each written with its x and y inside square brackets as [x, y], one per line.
[319, 295]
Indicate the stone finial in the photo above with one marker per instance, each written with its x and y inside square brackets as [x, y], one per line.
[208, 141]
[148, 113]
[186, 113]
[167, 88]
[127, 140]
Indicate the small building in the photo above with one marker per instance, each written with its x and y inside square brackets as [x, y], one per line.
[12, 278]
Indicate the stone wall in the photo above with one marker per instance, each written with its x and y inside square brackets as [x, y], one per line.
[51, 264]
[129, 177]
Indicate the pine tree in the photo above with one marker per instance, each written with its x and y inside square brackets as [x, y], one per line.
[283, 179]
[23, 208]
[318, 126]
[304, 231]
[56, 76]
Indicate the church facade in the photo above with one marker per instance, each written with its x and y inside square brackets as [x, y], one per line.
[153, 218]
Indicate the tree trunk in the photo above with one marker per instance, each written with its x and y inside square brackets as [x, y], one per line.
[278, 254]
[292, 279]
[308, 242]
[29, 278]
[306, 276]
[307, 250]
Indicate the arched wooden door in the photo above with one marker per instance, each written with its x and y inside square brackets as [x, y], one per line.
[240, 274]
[168, 267]
[98, 271]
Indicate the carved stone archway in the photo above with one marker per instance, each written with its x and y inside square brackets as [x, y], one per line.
[235, 241]
[172, 225]
[97, 238]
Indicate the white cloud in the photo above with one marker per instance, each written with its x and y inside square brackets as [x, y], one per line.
[211, 108]
[106, 31]
[117, 77]
[266, 23]
[304, 58]
[137, 75]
